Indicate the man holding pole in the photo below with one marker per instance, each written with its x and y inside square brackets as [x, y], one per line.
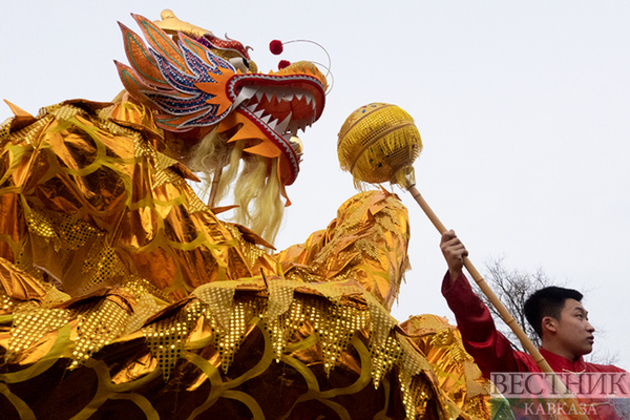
[560, 320]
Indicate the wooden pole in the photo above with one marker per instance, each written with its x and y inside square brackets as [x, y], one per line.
[507, 317]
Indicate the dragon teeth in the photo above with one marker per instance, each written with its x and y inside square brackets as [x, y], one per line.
[282, 127]
[246, 93]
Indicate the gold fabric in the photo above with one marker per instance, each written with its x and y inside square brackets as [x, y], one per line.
[123, 296]
[87, 202]
[367, 242]
[457, 374]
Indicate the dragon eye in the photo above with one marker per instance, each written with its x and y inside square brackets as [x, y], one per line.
[240, 63]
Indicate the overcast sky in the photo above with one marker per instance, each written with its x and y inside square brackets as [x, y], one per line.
[523, 109]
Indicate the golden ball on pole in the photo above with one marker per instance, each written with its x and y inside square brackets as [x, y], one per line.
[379, 143]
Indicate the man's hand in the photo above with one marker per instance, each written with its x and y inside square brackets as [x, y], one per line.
[454, 252]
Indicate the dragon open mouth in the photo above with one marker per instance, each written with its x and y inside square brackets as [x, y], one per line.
[281, 104]
[287, 113]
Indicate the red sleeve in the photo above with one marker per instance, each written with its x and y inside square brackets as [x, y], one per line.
[490, 349]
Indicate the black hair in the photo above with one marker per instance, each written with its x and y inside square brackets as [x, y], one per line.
[548, 301]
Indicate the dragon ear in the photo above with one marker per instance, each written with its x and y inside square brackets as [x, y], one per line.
[184, 82]
[161, 42]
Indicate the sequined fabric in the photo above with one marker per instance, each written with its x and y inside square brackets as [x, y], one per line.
[208, 374]
[123, 296]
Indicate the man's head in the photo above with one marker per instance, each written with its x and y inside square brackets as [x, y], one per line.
[560, 320]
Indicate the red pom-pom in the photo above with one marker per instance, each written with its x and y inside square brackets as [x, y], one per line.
[275, 47]
[283, 63]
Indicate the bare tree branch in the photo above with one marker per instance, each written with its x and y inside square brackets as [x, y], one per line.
[513, 288]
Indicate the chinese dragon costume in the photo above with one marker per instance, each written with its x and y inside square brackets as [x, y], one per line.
[124, 296]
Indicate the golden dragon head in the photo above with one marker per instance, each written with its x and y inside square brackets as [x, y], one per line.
[195, 80]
